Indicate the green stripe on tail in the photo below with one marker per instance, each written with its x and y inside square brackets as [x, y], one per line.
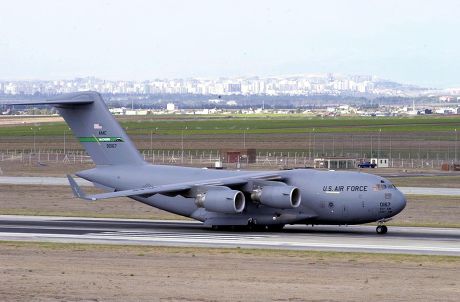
[93, 139]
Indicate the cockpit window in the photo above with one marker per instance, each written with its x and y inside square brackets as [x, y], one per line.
[380, 187]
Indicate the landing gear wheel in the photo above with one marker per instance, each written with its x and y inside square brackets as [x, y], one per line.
[381, 229]
[275, 227]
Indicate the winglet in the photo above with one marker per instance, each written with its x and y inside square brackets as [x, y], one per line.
[77, 191]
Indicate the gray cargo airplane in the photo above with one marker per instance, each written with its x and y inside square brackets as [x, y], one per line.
[219, 198]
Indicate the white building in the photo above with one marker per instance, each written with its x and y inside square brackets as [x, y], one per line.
[170, 107]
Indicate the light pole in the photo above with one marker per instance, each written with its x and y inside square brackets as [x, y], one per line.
[378, 152]
[34, 130]
[64, 141]
[244, 137]
[456, 139]
[182, 144]
[333, 145]
[372, 151]
[151, 140]
[390, 147]
[313, 147]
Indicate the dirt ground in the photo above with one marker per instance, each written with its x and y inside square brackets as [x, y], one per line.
[432, 211]
[21, 120]
[444, 181]
[60, 169]
[58, 200]
[63, 272]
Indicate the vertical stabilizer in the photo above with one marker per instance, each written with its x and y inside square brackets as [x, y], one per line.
[95, 128]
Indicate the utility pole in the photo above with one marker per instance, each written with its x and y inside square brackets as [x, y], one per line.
[151, 140]
[64, 141]
[313, 148]
[456, 139]
[372, 151]
[244, 138]
[35, 130]
[333, 145]
[182, 145]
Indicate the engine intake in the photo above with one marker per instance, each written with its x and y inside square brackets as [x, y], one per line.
[222, 200]
[281, 197]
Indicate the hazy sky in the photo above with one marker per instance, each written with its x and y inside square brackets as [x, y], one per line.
[411, 41]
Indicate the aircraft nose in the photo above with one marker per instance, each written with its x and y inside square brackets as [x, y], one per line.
[399, 201]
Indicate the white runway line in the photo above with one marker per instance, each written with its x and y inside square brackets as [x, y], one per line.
[217, 241]
[409, 240]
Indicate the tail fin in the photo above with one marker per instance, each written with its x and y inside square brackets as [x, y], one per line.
[95, 128]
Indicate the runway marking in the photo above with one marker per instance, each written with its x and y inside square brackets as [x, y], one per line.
[216, 241]
[155, 235]
[187, 234]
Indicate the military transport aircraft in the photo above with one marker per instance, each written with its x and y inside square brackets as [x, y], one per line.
[220, 198]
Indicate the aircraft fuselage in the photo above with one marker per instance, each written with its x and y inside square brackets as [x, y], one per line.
[327, 197]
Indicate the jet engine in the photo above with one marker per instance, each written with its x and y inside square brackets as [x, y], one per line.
[222, 200]
[281, 197]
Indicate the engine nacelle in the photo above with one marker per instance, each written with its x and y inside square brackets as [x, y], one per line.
[281, 197]
[221, 200]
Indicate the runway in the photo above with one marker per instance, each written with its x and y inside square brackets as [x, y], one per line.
[62, 181]
[407, 240]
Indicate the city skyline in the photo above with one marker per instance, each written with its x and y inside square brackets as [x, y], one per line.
[295, 85]
[410, 42]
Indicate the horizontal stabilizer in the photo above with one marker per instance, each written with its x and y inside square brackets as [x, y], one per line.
[77, 191]
[78, 98]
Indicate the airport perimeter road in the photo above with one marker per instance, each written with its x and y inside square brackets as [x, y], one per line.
[408, 240]
[62, 181]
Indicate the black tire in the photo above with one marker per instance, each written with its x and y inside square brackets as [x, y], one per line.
[275, 227]
[381, 229]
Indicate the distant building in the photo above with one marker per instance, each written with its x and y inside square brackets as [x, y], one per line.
[334, 163]
[234, 88]
[239, 155]
[171, 107]
[380, 162]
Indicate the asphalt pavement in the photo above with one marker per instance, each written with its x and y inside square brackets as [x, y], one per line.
[406, 240]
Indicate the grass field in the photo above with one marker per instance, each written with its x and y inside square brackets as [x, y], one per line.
[400, 138]
[174, 125]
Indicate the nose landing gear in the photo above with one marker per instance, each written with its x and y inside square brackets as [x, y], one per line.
[381, 229]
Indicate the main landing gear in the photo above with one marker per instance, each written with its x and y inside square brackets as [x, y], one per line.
[381, 229]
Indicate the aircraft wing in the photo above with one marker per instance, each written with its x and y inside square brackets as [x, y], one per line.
[171, 188]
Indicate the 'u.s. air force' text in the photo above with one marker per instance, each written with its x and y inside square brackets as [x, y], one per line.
[345, 188]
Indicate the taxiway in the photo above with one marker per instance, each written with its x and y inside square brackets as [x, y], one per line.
[62, 181]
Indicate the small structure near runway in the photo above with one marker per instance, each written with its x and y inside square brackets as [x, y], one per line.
[239, 155]
[450, 167]
[380, 162]
[335, 163]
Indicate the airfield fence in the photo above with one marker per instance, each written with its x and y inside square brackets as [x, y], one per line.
[202, 158]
